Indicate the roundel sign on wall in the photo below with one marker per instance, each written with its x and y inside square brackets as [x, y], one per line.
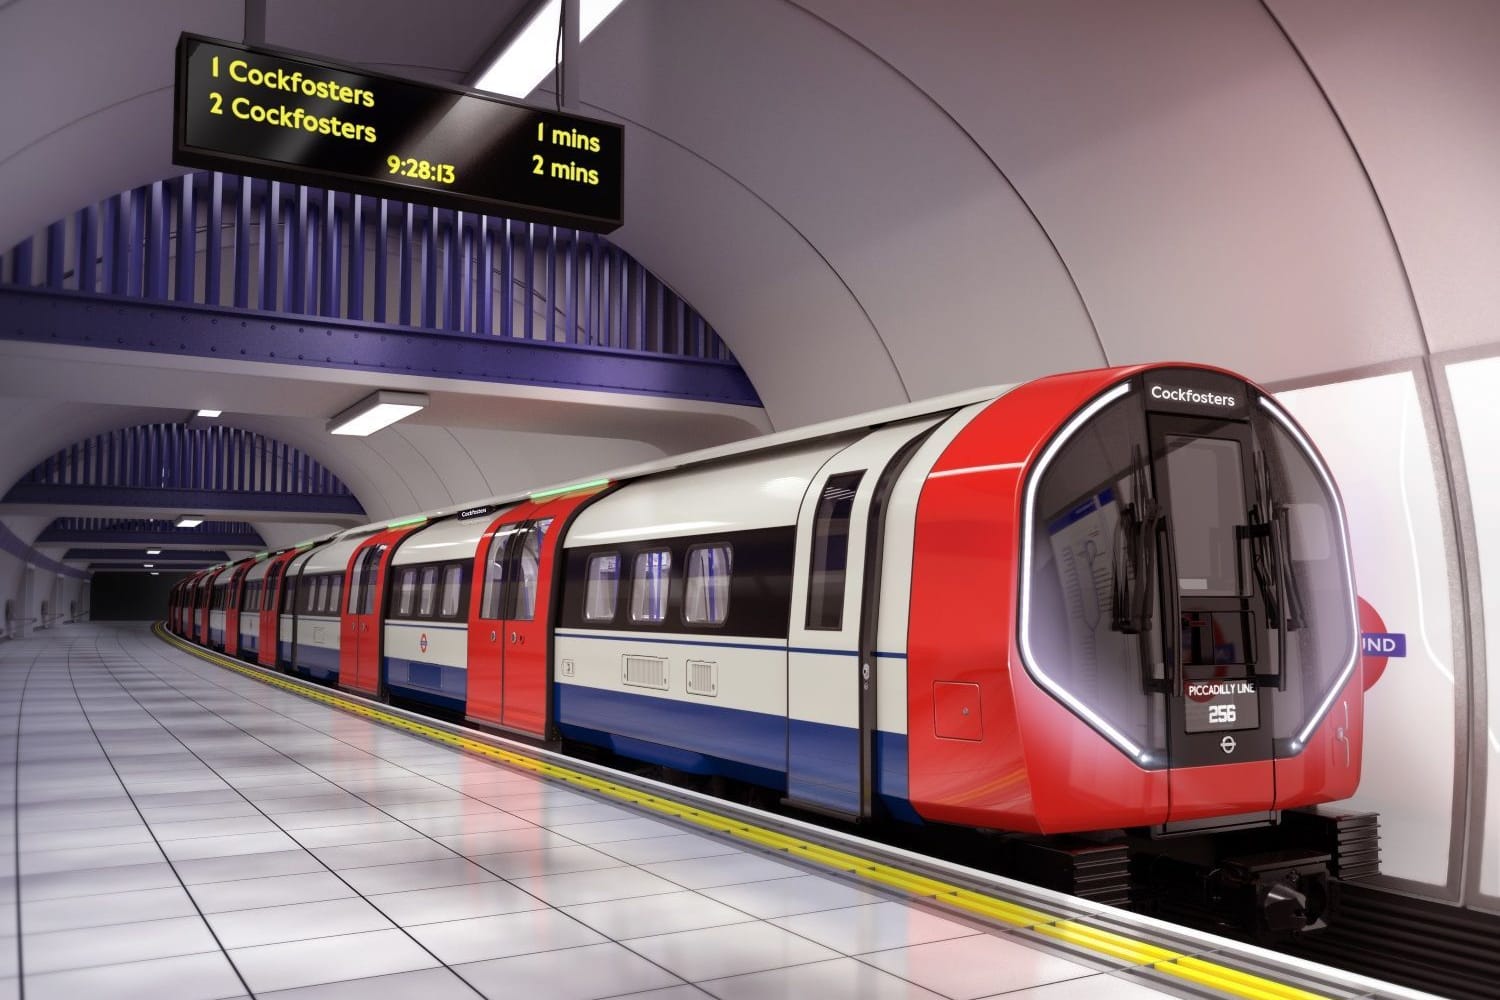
[1377, 645]
[422, 642]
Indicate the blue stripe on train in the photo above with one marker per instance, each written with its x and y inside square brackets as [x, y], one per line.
[215, 636]
[433, 683]
[750, 746]
[315, 662]
[249, 642]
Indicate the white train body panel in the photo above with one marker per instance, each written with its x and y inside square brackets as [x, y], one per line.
[250, 620]
[759, 492]
[749, 675]
[445, 541]
[330, 558]
[428, 656]
[895, 571]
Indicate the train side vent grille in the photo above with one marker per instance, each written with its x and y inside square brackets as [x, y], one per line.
[703, 678]
[646, 671]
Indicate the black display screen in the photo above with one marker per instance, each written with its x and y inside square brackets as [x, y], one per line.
[1216, 704]
[291, 117]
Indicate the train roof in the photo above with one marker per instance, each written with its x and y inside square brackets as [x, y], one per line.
[704, 456]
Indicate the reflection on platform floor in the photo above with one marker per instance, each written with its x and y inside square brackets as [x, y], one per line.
[172, 829]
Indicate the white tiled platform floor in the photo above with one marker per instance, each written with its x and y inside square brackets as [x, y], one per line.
[175, 830]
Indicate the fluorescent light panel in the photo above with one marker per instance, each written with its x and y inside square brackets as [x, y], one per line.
[188, 521]
[210, 413]
[377, 410]
[153, 552]
[532, 54]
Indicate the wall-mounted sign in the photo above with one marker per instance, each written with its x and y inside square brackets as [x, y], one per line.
[273, 113]
[1383, 643]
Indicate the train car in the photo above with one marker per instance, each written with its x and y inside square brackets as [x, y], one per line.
[312, 609]
[1114, 600]
[425, 627]
[203, 608]
[252, 599]
[233, 605]
[270, 651]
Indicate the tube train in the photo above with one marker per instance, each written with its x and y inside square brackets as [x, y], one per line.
[1118, 599]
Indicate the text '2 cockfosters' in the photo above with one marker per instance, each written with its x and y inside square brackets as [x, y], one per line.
[287, 116]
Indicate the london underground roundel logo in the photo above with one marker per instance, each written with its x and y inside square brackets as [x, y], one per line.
[422, 642]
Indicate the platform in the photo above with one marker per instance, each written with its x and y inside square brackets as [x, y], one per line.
[175, 829]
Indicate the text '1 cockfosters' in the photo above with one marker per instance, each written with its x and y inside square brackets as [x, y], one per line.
[286, 116]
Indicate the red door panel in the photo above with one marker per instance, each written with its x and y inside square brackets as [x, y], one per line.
[486, 627]
[270, 610]
[364, 611]
[509, 627]
[235, 598]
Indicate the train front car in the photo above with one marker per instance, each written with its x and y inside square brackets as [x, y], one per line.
[1133, 608]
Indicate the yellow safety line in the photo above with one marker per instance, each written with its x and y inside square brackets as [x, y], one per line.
[1097, 940]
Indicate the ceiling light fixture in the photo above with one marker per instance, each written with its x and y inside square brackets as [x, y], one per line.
[210, 413]
[377, 410]
[532, 54]
[150, 565]
[153, 552]
[189, 521]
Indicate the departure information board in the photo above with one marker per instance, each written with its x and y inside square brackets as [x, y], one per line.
[286, 116]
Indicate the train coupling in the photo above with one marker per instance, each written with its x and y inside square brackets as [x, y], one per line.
[1273, 894]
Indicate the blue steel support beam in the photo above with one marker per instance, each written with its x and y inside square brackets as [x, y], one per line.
[166, 555]
[186, 501]
[149, 539]
[61, 317]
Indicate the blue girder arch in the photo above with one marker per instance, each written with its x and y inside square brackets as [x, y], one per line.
[155, 466]
[226, 267]
[100, 531]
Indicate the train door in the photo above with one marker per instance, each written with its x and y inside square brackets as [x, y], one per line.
[205, 607]
[360, 625]
[232, 605]
[1219, 695]
[271, 653]
[516, 585]
[831, 657]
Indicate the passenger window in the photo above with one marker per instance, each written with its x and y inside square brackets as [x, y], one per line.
[354, 585]
[706, 599]
[406, 593]
[335, 586]
[648, 585]
[322, 594]
[427, 600]
[830, 552]
[453, 590]
[494, 572]
[370, 579]
[528, 572]
[603, 591]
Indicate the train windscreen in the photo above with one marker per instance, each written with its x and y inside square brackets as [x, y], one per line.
[1186, 573]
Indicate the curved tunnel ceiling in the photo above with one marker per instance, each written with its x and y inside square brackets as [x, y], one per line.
[873, 201]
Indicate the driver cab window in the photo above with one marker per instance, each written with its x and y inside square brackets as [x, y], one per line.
[1086, 594]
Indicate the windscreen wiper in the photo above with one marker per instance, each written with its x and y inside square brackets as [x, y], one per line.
[1134, 568]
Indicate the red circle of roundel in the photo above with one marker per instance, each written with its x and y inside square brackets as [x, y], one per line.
[1370, 621]
[422, 642]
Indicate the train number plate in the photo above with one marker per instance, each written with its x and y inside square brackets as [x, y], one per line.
[1220, 705]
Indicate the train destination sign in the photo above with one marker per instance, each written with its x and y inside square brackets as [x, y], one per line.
[278, 114]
